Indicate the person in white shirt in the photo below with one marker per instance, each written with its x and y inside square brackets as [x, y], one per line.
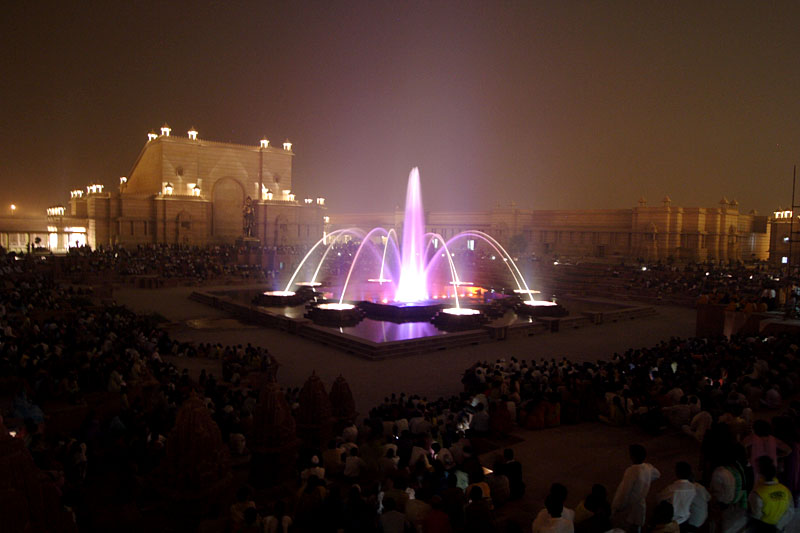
[698, 511]
[680, 493]
[629, 503]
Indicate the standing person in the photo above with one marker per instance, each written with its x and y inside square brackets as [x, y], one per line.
[770, 502]
[762, 442]
[629, 503]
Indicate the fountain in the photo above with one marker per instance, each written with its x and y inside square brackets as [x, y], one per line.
[415, 281]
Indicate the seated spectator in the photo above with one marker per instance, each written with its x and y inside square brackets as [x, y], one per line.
[478, 515]
[243, 502]
[354, 465]
[662, 519]
[551, 519]
[392, 520]
[278, 521]
[593, 514]
[680, 493]
[771, 505]
[512, 469]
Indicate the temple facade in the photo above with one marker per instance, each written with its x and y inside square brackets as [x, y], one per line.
[192, 191]
[650, 233]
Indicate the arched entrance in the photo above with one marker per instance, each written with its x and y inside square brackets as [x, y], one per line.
[228, 199]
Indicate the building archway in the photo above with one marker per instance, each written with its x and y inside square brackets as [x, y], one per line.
[228, 199]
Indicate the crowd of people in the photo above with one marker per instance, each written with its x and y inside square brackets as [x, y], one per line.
[187, 263]
[410, 464]
[64, 355]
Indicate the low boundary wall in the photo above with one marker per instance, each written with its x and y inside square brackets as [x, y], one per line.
[383, 350]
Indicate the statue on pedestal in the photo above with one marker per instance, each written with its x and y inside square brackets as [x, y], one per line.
[248, 217]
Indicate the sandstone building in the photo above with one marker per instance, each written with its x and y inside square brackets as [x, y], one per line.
[650, 233]
[192, 191]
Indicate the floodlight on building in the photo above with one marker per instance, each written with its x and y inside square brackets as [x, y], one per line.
[268, 195]
[168, 188]
[287, 145]
[123, 180]
[165, 129]
[55, 211]
[264, 142]
[326, 219]
[76, 193]
[195, 190]
[192, 134]
[783, 214]
[152, 136]
[13, 208]
[308, 201]
[320, 201]
[94, 188]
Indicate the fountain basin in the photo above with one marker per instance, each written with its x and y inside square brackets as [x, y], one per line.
[401, 312]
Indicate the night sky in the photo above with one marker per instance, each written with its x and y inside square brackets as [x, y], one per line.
[551, 105]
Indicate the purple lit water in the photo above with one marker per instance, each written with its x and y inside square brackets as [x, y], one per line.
[413, 286]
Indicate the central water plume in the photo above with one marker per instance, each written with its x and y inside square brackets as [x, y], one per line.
[413, 286]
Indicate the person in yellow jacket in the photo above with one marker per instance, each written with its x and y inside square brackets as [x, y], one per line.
[771, 506]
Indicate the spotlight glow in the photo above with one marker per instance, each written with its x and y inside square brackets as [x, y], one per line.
[278, 293]
[336, 306]
[460, 311]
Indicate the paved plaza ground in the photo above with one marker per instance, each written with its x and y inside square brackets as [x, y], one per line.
[432, 374]
[577, 455]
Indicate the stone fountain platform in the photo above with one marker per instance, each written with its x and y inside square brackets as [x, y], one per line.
[369, 349]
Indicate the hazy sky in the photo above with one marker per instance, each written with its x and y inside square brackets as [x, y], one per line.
[552, 105]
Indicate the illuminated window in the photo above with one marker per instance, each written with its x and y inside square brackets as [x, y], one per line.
[435, 244]
[470, 244]
[784, 259]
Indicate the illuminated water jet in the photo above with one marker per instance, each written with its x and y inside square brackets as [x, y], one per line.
[415, 279]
